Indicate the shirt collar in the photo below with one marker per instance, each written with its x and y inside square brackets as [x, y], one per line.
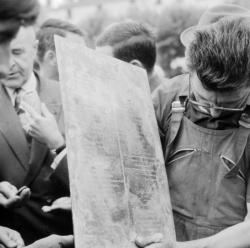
[29, 86]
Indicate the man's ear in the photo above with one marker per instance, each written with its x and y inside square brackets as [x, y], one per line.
[137, 63]
[50, 57]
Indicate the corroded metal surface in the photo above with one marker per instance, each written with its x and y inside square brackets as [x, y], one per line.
[117, 175]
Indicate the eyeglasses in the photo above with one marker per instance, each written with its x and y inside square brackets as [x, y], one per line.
[211, 106]
[208, 106]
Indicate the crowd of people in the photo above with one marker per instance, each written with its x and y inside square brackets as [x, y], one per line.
[203, 118]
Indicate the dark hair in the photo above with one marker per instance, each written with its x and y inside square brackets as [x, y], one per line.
[220, 55]
[25, 11]
[130, 40]
[14, 13]
[49, 28]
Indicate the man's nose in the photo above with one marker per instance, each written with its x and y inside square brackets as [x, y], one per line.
[215, 112]
[12, 61]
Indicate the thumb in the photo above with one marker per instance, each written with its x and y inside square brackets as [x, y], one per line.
[47, 209]
[145, 241]
[6, 241]
[45, 111]
[67, 241]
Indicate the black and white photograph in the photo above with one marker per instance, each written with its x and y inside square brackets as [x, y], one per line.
[124, 124]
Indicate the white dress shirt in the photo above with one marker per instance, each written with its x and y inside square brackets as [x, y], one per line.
[27, 93]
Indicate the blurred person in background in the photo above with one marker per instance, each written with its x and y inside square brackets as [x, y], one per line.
[131, 42]
[46, 53]
[49, 91]
[47, 70]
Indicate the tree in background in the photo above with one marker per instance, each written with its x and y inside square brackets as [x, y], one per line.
[95, 24]
[172, 21]
[244, 3]
[168, 25]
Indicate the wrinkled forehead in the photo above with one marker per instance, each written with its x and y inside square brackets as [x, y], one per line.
[24, 37]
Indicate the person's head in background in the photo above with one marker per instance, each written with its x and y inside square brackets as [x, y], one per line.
[131, 42]
[13, 14]
[46, 53]
[219, 63]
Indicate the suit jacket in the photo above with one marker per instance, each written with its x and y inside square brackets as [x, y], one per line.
[21, 165]
[50, 94]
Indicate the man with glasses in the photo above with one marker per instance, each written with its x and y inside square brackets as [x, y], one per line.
[204, 122]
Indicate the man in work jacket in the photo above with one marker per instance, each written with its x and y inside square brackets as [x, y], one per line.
[204, 124]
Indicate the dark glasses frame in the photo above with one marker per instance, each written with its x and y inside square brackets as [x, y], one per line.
[211, 106]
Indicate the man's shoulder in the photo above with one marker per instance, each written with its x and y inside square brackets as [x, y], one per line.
[170, 91]
[175, 86]
[166, 93]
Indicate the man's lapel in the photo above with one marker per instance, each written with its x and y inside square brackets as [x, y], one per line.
[38, 153]
[11, 129]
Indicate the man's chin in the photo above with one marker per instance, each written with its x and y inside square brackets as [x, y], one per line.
[11, 84]
[3, 75]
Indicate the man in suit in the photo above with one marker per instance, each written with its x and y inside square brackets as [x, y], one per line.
[13, 14]
[47, 72]
[46, 52]
[23, 160]
[134, 43]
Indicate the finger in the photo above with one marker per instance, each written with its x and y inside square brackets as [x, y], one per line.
[16, 237]
[33, 132]
[45, 111]
[13, 202]
[30, 120]
[25, 195]
[66, 241]
[145, 241]
[7, 189]
[30, 110]
[47, 209]
[3, 200]
[63, 202]
[6, 240]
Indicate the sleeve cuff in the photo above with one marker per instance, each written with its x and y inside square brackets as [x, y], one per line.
[58, 158]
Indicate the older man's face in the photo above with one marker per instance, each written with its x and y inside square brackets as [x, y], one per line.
[22, 55]
[8, 30]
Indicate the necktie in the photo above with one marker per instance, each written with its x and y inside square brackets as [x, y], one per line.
[17, 101]
[24, 117]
